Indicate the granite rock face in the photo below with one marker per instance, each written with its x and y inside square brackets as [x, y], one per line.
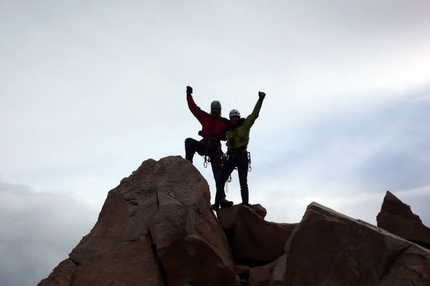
[254, 241]
[328, 248]
[157, 228]
[398, 218]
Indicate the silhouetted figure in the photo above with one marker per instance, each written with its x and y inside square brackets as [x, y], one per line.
[237, 155]
[213, 130]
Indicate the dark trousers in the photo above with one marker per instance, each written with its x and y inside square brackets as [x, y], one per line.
[204, 147]
[239, 159]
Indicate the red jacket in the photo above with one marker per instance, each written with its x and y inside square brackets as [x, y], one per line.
[212, 127]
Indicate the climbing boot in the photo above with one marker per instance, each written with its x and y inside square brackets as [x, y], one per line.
[226, 204]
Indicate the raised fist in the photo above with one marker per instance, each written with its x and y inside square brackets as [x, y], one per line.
[189, 90]
[261, 94]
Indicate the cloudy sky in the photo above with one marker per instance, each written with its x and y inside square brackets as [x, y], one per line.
[90, 89]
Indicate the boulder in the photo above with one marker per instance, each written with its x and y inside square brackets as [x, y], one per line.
[328, 248]
[398, 218]
[253, 240]
[155, 228]
[260, 275]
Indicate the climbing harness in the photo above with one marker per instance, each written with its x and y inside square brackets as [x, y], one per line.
[207, 158]
[206, 161]
[213, 146]
[249, 162]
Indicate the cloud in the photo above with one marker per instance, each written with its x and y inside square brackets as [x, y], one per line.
[89, 91]
[351, 156]
[388, 136]
[38, 230]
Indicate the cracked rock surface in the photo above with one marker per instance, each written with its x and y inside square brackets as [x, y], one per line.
[157, 228]
[329, 248]
[398, 218]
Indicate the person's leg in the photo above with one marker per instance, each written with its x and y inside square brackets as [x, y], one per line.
[214, 151]
[242, 169]
[220, 180]
[192, 146]
[216, 159]
[216, 166]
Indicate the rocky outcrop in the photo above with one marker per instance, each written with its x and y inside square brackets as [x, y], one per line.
[328, 248]
[253, 240]
[157, 228]
[398, 218]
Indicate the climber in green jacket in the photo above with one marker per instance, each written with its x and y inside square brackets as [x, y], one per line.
[237, 155]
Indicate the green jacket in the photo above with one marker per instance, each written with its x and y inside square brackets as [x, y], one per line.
[238, 136]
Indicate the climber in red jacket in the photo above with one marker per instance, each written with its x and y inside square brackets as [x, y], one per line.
[213, 130]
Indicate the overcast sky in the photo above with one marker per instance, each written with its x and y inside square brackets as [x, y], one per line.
[91, 89]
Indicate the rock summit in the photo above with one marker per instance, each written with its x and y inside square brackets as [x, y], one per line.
[157, 228]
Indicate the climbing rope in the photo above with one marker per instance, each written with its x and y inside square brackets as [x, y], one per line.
[206, 161]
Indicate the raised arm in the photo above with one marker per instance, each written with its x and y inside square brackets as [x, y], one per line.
[254, 114]
[195, 110]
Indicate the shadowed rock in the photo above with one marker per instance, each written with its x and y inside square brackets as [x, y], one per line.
[328, 248]
[254, 241]
[398, 218]
[155, 228]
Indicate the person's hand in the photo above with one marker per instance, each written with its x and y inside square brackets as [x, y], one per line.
[261, 95]
[189, 90]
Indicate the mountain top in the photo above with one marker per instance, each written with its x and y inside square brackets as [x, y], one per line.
[157, 228]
